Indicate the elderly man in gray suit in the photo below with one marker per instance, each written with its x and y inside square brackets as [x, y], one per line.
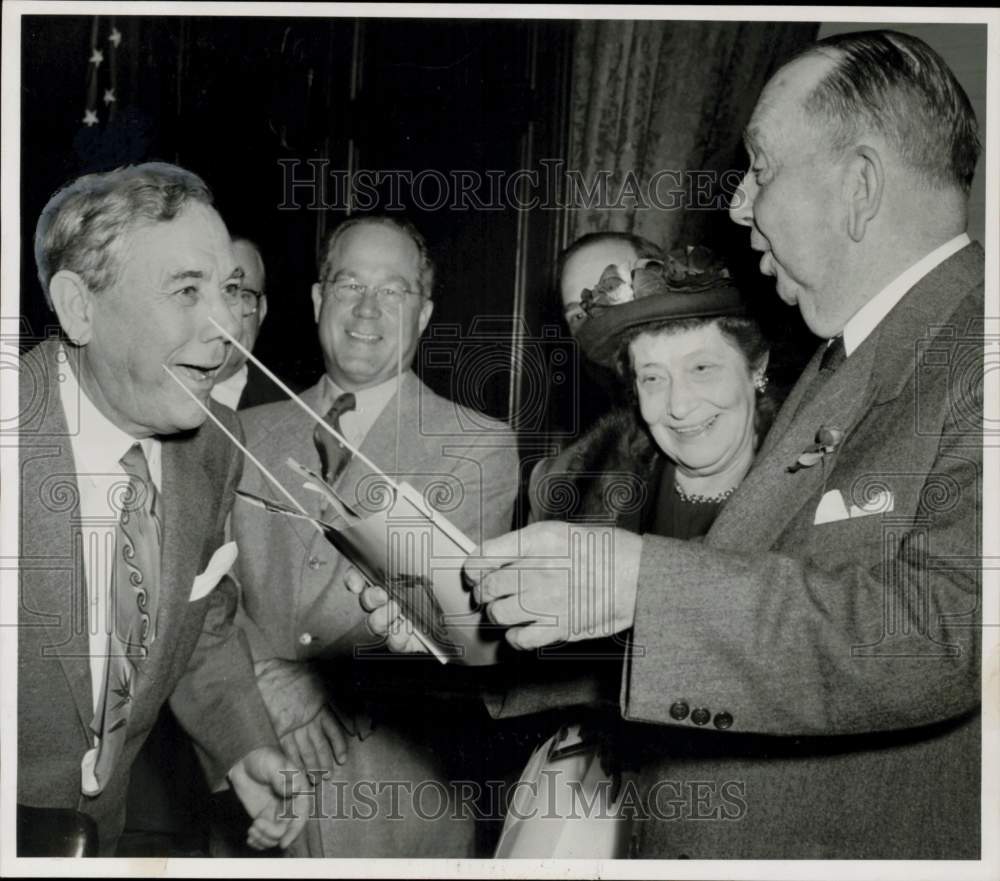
[125, 597]
[371, 729]
[809, 674]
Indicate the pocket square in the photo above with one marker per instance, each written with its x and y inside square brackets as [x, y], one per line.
[221, 562]
[832, 507]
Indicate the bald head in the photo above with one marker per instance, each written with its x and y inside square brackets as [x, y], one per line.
[581, 265]
[836, 199]
[896, 86]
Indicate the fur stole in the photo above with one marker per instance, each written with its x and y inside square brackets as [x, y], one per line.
[606, 475]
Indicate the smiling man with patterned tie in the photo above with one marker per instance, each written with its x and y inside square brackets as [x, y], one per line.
[362, 723]
[125, 598]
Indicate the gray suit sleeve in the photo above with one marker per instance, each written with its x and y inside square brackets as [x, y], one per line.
[786, 646]
[217, 700]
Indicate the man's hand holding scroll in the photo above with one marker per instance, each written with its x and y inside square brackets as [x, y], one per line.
[549, 582]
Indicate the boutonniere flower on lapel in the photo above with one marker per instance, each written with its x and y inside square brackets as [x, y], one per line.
[827, 440]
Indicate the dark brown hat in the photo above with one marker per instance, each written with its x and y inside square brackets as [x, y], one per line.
[651, 292]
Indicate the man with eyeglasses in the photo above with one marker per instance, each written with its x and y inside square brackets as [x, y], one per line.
[241, 384]
[371, 729]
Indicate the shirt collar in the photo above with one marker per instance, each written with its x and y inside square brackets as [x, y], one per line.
[867, 318]
[99, 444]
[369, 401]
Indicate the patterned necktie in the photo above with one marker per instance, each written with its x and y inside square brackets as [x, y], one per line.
[333, 455]
[134, 599]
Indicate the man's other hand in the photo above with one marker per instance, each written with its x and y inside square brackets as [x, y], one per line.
[275, 793]
[385, 619]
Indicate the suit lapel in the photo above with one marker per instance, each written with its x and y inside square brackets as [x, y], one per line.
[771, 497]
[68, 638]
[292, 437]
[792, 403]
[47, 523]
[187, 514]
[359, 485]
[746, 521]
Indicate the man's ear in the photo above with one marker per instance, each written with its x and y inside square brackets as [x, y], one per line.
[261, 309]
[425, 313]
[866, 181]
[73, 302]
[317, 298]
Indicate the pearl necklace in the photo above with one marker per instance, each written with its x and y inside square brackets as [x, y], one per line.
[697, 497]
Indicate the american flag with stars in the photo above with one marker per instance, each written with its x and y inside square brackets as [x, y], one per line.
[102, 72]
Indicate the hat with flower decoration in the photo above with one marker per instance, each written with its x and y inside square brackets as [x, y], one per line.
[691, 283]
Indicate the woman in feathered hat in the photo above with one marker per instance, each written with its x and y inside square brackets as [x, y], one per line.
[694, 371]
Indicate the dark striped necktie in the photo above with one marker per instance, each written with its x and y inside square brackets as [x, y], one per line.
[333, 455]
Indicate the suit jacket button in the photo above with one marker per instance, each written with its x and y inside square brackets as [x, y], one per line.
[314, 562]
[723, 720]
[679, 710]
[701, 716]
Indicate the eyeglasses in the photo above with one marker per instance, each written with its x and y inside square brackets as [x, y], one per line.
[390, 298]
[247, 302]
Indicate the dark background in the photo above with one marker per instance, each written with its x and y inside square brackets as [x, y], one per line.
[232, 98]
[246, 102]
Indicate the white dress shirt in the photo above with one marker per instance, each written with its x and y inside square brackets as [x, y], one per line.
[867, 318]
[97, 446]
[229, 390]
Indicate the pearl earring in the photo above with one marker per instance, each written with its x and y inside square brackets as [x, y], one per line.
[760, 382]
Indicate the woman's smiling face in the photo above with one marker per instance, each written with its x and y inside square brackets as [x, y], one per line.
[696, 394]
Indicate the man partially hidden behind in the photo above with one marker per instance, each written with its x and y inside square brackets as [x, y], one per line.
[241, 384]
[581, 264]
[373, 730]
[125, 602]
[579, 268]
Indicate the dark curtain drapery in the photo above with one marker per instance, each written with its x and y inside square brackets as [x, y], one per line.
[665, 102]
